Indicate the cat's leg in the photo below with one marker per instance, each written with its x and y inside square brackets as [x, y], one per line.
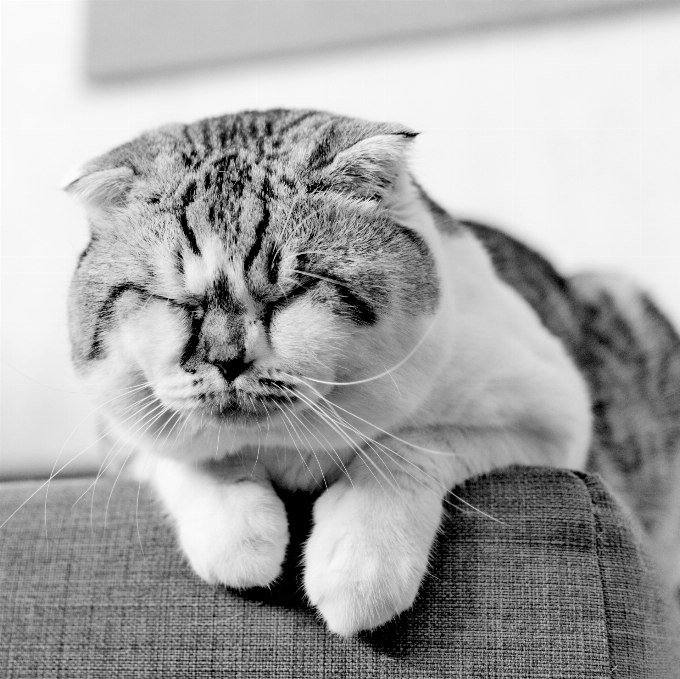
[231, 525]
[372, 536]
[369, 549]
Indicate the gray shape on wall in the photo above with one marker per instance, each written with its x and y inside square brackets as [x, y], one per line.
[131, 38]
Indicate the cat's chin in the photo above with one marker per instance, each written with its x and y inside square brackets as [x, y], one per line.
[234, 416]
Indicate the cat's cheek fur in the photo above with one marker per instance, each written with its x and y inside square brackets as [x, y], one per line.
[144, 350]
[305, 339]
[154, 341]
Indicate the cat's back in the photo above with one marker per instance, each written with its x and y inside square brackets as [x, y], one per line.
[629, 353]
[535, 279]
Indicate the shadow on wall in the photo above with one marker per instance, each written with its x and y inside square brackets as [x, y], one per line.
[132, 38]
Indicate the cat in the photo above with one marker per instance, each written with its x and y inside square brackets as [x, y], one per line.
[271, 300]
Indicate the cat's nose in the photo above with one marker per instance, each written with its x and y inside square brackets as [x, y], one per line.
[232, 368]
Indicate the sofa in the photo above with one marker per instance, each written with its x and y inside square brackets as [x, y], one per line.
[537, 573]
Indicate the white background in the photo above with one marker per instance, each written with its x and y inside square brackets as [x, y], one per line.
[568, 136]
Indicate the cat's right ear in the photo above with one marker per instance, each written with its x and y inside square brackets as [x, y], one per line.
[100, 190]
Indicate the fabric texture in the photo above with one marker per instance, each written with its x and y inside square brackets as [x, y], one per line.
[543, 578]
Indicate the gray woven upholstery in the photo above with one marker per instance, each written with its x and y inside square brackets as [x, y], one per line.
[555, 586]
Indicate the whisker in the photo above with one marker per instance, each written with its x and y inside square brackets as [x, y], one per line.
[120, 438]
[352, 444]
[295, 255]
[259, 438]
[217, 445]
[102, 468]
[150, 397]
[313, 406]
[141, 478]
[68, 438]
[320, 277]
[42, 384]
[384, 373]
[339, 422]
[311, 447]
[396, 386]
[391, 452]
[164, 409]
[447, 453]
[47, 481]
[302, 457]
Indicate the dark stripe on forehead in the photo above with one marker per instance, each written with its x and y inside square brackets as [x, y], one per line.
[261, 227]
[188, 153]
[187, 137]
[192, 344]
[189, 194]
[220, 295]
[206, 137]
[189, 159]
[104, 315]
[186, 199]
[253, 129]
[223, 135]
[284, 129]
[325, 150]
[273, 265]
[188, 233]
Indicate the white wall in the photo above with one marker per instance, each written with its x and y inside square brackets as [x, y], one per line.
[569, 136]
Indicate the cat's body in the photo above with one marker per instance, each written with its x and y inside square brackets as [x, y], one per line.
[270, 300]
[629, 354]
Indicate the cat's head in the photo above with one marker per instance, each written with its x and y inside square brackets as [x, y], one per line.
[242, 266]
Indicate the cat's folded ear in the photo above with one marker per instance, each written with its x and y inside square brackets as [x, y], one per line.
[100, 189]
[367, 168]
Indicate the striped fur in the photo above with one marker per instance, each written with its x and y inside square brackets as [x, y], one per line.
[271, 299]
[238, 183]
[630, 354]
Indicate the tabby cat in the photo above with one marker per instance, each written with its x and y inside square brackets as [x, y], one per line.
[270, 300]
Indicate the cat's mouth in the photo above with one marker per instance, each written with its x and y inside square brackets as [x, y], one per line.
[249, 405]
[239, 403]
[242, 406]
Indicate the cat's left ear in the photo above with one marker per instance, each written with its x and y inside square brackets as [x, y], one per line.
[370, 168]
[100, 190]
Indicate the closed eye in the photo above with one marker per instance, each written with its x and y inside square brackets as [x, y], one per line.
[301, 287]
[360, 311]
[288, 296]
[192, 307]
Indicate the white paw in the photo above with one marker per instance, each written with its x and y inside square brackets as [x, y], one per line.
[363, 563]
[235, 534]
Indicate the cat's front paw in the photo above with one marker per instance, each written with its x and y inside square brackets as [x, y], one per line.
[363, 564]
[235, 534]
